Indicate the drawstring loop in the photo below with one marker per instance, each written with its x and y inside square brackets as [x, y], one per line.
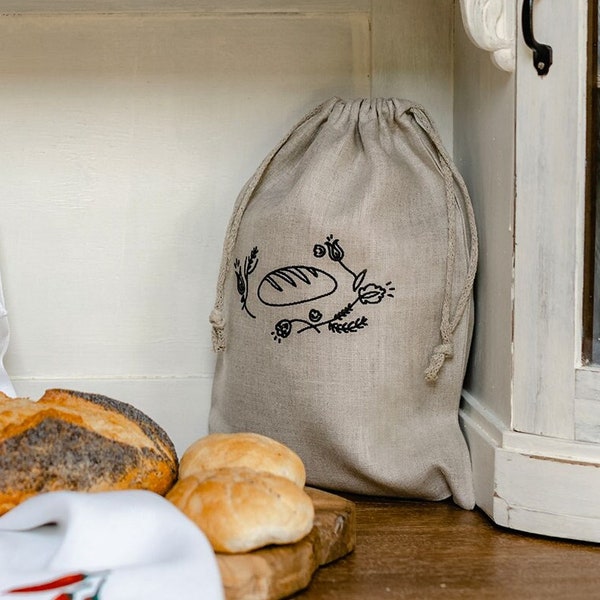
[440, 353]
[450, 322]
[218, 329]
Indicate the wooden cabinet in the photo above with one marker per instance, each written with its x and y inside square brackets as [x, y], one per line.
[531, 409]
[129, 127]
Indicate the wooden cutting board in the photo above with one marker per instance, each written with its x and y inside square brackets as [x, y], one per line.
[275, 572]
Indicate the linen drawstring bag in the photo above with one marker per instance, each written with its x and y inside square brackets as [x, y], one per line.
[343, 313]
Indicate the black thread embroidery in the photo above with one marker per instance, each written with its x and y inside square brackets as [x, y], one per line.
[348, 327]
[370, 293]
[298, 284]
[243, 274]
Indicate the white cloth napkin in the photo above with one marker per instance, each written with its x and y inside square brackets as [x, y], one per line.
[123, 545]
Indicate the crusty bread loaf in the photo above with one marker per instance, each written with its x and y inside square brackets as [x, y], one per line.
[251, 450]
[240, 509]
[76, 441]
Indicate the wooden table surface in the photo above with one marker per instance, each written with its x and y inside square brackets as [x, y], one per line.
[434, 550]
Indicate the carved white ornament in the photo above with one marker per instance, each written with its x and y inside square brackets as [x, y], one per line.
[490, 24]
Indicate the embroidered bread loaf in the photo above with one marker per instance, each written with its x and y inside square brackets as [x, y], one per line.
[250, 450]
[240, 509]
[71, 440]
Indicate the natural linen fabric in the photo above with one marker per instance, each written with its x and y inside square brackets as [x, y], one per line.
[343, 314]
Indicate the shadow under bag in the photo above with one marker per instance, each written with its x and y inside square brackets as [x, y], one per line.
[344, 313]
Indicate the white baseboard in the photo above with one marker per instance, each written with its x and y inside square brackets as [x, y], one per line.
[531, 483]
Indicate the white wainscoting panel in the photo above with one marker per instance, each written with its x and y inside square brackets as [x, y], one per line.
[125, 141]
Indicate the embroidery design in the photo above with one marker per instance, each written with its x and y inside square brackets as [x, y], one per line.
[300, 284]
[295, 285]
[75, 586]
[366, 294]
[242, 276]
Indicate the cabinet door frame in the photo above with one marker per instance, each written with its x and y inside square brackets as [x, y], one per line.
[540, 473]
[549, 224]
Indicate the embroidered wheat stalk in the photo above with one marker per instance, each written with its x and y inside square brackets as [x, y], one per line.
[349, 326]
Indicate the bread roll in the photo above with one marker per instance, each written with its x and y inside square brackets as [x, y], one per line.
[75, 441]
[251, 450]
[240, 509]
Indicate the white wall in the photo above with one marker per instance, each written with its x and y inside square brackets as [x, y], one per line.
[125, 140]
[484, 114]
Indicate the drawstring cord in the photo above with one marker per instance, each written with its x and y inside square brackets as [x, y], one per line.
[449, 322]
[216, 318]
[446, 348]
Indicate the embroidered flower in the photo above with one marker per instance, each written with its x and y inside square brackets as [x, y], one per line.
[315, 315]
[334, 249]
[371, 294]
[283, 329]
[319, 251]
